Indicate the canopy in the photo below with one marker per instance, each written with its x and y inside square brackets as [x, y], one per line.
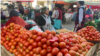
[61, 2]
[94, 6]
[70, 1]
[92, 3]
[21, 0]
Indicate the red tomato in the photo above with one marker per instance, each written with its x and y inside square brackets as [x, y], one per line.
[24, 53]
[61, 39]
[64, 51]
[44, 34]
[59, 54]
[55, 51]
[19, 55]
[39, 44]
[47, 31]
[34, 44]
[39, 33]
[12, 47]
[74, 48]
[37, 50]
[15, 43]
[30, 47]
[27, 55]
[15, 50]
[49, 49]
[38, 39]
[25, 37]
[43, 40]
[72, 53]
[9, 44]
[31, 53]
[34, 37]
[62, 45]
[44, 46]
[49, 54]
[67, 54]
[21, 50]
[53, 33]
[49, 36]
[43, 52]
[67, 47]
[55, 44]
[48, 43]
[24, 48]
[30, 36]
[27, 51]
[70, 44]
[26, 44]
[31, 41]
[34, 32]
[16, 53]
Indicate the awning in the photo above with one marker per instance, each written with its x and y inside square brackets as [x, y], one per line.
[61, 2]
[21, 0]
[70, 1]
[94, 6]
[92, 3]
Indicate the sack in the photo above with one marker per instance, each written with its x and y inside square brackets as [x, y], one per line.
[4, 52]
[57, 23]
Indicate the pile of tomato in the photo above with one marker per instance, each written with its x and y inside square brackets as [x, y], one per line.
[22, 42]
[89, 33]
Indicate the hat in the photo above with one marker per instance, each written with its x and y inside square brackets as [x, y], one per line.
[81, 2]
[13, 13]
[43, 10]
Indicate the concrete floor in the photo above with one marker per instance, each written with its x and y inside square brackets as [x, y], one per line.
[69, 26]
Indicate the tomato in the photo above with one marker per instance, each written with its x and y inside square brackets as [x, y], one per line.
[30, 47]
[19, 55]
[7, 38]
[67, 54]
[9, 44]
[30, 35]
[74, 48]
[43, 40]
[31, 53]
[17, 39]
[38, 39]
[64, 51]
[25, 37]
[47, 31]
[79, 46]
[15, 43]
[24, 53]
[39, 33]
[27, 55]
[59, 54]
[67, 47]
[44, 34]
[48, 43]
[49, 49]
[37, 50]
[55, 50]
[80, 51]
[70, 44]
[21, 50]
[34, 44]
[34, 55]
[43, 52]
[16, 53]
[49, 54]
[61, 39]
[12, 47]
[44, 46]
[27, 51]
[55, 44]
[24, 48]
[34, 37]
[11, 51]
[26, 44]
[34, 32]
[31, 41]
[62, 45]
[53, 33]
[15, 50]
[39, 44]
[49, 36]
[72, 53]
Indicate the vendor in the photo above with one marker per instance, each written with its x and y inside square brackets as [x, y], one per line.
[14, 18]
[45, 21]
[80, 17]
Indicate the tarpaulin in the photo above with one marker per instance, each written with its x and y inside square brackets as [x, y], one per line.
[94, 6]
[24, 0]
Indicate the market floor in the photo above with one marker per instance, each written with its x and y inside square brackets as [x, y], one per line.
[69, 26]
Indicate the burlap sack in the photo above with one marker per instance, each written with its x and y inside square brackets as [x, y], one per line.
[4, 52]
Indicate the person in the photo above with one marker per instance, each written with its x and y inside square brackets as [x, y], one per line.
[45, 21]
[58, 7]
[3, 17]
[80, 17]
[99, 14]
[21, 8]
[14, 18]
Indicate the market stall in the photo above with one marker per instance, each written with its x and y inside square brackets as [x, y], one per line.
[19, 41]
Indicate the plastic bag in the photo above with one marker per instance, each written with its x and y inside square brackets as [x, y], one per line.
[36, 28]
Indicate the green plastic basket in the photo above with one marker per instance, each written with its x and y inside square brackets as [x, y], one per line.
[97, 20]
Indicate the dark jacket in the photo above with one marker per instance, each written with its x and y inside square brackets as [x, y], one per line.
[41, 21]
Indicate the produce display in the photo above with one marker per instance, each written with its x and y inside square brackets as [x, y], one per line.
[22, 42]
[89, 33]
[62, 31]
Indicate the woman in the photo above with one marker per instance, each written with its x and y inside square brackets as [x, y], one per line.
[14, 18]
[45, 21]
[80, 17]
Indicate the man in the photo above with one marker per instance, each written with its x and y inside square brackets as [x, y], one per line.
[21, 8]
[80, 17]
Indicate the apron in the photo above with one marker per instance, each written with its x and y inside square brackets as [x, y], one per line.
[48, 25]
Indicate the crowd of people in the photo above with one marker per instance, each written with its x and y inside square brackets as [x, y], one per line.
[45, 20]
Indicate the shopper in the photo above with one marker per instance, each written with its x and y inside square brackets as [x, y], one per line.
[21, 8]
[80, 17]
[3, 15]
[45, 21]
[58, 7]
